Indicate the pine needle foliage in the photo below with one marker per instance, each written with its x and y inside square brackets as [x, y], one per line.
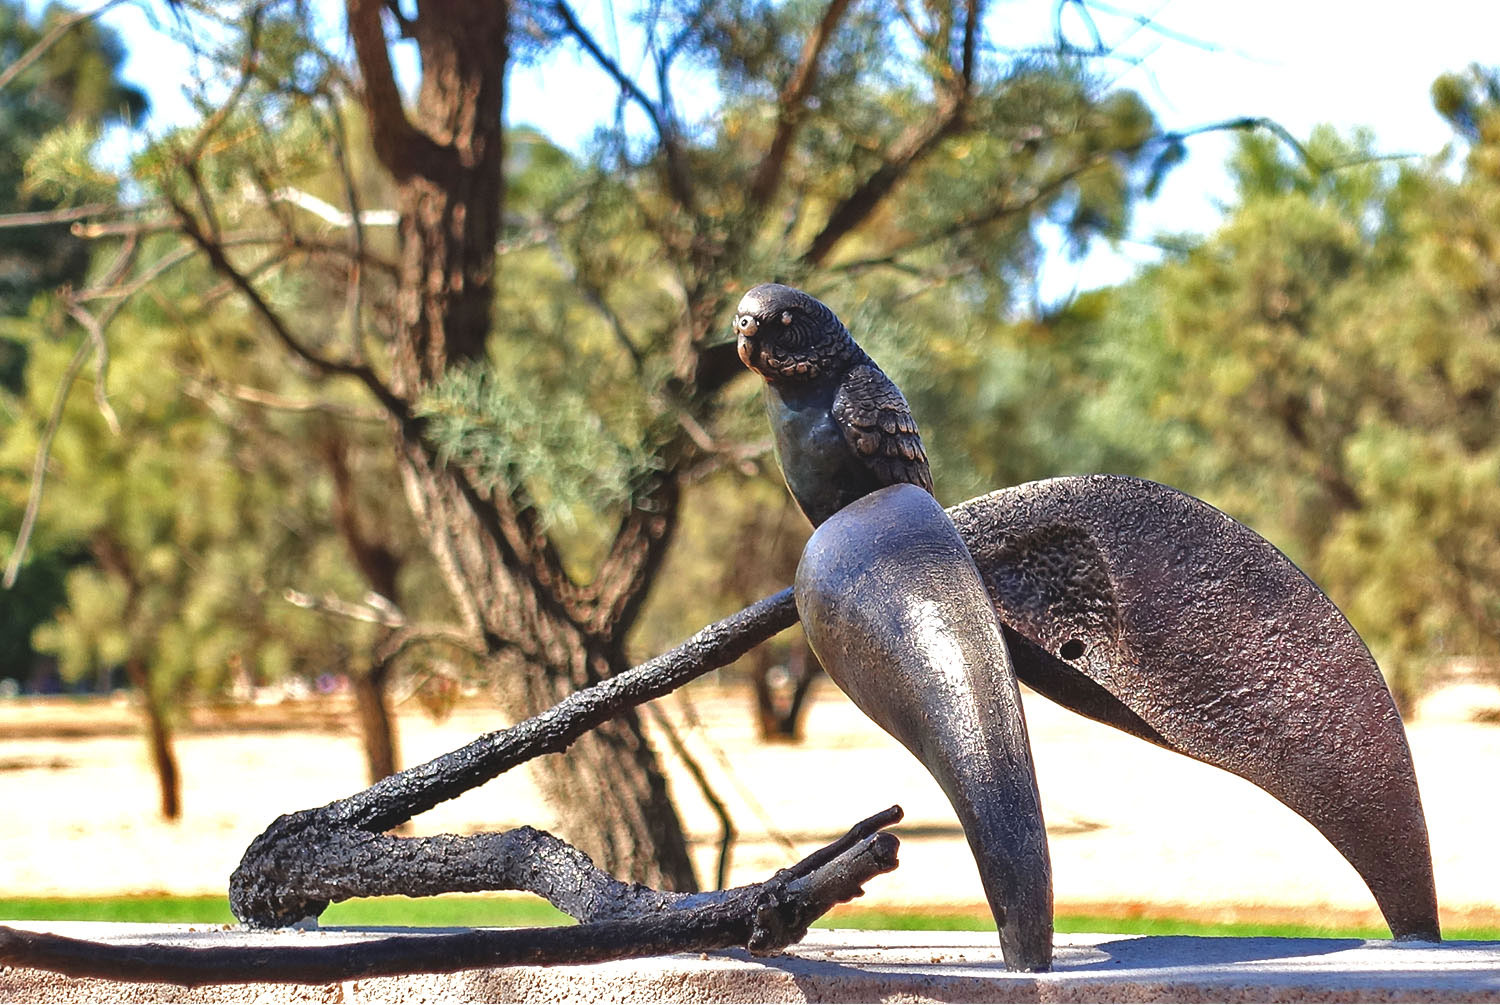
[551, 447]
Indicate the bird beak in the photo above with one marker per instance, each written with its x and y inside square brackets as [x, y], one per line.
[744, 351]
[898, 615]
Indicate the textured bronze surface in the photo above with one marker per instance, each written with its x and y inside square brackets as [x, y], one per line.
[897, 613]
[840, 428]
[1148, 609]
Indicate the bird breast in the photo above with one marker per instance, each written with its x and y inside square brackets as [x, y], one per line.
[810, 448]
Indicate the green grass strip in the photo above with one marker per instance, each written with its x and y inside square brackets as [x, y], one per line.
[514, 911]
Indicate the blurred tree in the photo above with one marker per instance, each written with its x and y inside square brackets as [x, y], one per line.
[37, 594]
[61, 170]
[58, 72]
[201, 512]
[547, 337]
[73, 81]
[1325, 366]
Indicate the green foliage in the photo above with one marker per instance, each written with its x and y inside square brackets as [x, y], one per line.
[193, 534]
[548, 445]
[47, 115]
[1469, 101]
[38, 592]
[1325, 367]
[50, 116]
[61, 169]
[76, 78]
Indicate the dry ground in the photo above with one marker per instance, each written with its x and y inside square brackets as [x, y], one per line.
[1134, 829]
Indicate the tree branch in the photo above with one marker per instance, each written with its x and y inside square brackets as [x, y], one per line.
[308, 244]
[258, 890]
[554, 730]
[679, 180]
[1040, 191]
[93, 327]
[1146, 21]
[403, 149]
[398, 408]
[50, 39]
[95, 330]
[914, 144]
[856, 207]
[545, 231]
[48, 217]
[988, 215]
[190, 157]
[409, 635]
[727, 832]
[792, 105]
[623, 921]
[613, 599]
[354, 304]
[205, 386]
[371, 611]
[39, 467]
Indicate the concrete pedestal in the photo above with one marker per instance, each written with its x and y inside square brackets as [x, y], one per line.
[849, 966]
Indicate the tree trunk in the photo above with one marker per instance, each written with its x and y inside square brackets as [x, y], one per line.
[608, 790]
[381, 567]
[611, 798]
[546, 635]
[158, 741]
[377, 727]
[113, 558]
[779, 711]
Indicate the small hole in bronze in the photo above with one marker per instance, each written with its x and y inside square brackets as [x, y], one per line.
[1071, 649]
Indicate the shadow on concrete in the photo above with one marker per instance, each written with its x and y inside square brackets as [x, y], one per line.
[1157, 952]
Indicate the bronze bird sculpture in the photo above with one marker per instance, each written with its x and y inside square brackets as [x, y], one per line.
[841, 428]
[891, 601]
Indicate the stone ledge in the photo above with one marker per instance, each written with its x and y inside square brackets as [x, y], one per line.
[850, 966]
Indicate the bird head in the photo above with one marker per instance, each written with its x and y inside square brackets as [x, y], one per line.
[787, 336]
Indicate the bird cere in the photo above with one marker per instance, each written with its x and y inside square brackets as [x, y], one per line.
[841, 429]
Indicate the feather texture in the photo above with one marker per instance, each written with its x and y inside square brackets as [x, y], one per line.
[842, 429]
[877, 424]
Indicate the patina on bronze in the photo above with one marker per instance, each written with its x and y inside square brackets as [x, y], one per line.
[898, 615]
[1145, 608]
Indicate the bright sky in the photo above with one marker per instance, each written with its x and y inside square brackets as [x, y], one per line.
[1300, 62]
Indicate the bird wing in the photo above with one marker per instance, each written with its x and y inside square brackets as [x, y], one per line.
[878, 426]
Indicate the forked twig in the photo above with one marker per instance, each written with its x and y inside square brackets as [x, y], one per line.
[632, 921]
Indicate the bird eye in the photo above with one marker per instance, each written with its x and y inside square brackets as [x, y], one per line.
[746, 324]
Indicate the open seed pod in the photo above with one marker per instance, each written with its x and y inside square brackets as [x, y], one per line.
[1145, 608]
